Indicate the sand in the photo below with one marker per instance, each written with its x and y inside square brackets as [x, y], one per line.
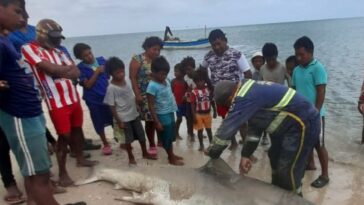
[345, 187]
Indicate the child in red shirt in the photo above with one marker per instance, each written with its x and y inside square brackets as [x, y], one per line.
[179, 89]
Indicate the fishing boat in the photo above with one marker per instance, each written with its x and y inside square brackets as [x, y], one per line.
[171, 42]
[196, 44]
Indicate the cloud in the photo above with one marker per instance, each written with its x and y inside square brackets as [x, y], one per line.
[93, 17]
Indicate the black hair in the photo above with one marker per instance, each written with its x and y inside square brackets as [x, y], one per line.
[269, 50]
[113, 64]
[7, 2]
[178, 67]
[200, 74]
[160, 64]
[304, 42]
[292, 59]
[152, 41]
[79, 48]
[217, 34]
[188, 61]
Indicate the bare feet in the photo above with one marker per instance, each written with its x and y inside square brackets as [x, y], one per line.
[132, 161]
[65, 181]
[87, 163]
[201, 149]
[176, 162]
[56, 189]
[177, 157]
[179, 137]
[253, 159]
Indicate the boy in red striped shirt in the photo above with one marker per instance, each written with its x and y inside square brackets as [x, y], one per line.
[201, 106]
[54, 72]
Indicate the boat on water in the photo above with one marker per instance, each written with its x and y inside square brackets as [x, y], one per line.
[196, 44]
[171, 42]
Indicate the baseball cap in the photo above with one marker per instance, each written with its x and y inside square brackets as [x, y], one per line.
[50, 28]
[256, 54]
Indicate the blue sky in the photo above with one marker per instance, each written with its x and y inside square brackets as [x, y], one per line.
[96, 17]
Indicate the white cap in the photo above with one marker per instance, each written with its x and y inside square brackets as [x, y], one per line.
[256, 54]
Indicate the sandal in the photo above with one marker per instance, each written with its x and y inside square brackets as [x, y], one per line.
[18, 199]
[320, 182]
[106, 150]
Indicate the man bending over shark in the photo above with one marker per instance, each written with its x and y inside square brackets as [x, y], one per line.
[292, 122]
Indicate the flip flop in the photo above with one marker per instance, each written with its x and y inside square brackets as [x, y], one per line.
[15, 199]
[320, 182]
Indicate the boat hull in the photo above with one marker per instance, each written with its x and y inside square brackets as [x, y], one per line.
[202, 43]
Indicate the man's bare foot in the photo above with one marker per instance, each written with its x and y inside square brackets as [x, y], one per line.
[253, 159]
[56, 189]
[177, 157]
[149, 156]
[65, 181]
[132, 161]
[87, 163]
[201, 149]
[179, 137]
[176, 162]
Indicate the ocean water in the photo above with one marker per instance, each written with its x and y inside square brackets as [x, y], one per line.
[339, 45]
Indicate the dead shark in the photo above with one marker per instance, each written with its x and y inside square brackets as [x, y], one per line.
[214, 183]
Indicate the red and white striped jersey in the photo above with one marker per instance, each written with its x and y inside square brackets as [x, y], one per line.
[58, 92]
[201, 97]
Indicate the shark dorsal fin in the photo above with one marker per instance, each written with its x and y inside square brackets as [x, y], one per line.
[218, 167]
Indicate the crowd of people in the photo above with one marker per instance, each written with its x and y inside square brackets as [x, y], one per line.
[284, 101]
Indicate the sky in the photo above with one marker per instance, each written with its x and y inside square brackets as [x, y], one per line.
[98, 17]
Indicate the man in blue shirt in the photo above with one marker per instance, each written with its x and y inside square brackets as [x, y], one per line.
[292, 122]
[309, 79]
[21, 115]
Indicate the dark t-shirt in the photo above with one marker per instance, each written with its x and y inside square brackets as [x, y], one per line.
[22, 99]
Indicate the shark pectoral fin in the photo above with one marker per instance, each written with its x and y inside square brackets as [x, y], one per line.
[137, 199]
[87, 181]
[117, 186]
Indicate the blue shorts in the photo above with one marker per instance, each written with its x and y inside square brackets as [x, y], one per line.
[182, 109]
[100, 116]
[27, 140]
[167, 135]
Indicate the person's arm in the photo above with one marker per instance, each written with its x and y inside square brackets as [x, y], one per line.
[320, 96]
[133, 75]
[361, 100]
[151, 106]
[3, 84]
[244, 67]
[242, 111]
[88, 83]
[320, 80]
[116, 117]
[193, 106]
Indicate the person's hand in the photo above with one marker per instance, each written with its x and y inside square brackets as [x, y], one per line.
[361, 107]
[3, 85]
[139, 99]
[121, 125]
[159, 126]
[100, 69]
[245, 165]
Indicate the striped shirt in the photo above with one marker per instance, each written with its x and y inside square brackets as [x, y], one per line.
[202, 99]
[59, 92]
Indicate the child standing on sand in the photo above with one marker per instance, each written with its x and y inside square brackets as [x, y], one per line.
[201, 107]
[179, 89]
[188, 65]
[94, 81]
[162, 107]
[120, 98]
